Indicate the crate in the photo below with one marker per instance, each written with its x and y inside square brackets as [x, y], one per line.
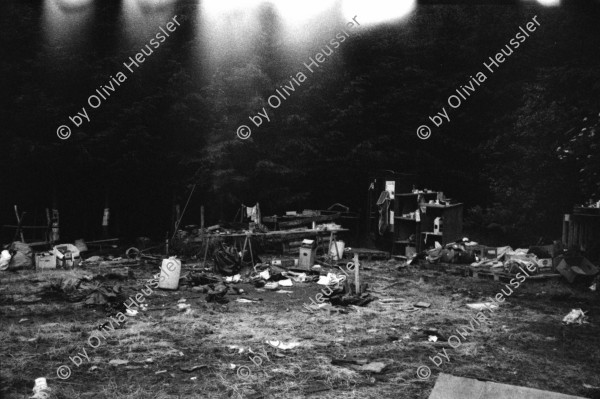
[45, 260]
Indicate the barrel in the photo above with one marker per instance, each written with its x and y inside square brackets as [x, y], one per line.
[340, 249]
[169, 274]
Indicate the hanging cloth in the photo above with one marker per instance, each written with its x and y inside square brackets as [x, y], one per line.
[383, 204]
[253, 212]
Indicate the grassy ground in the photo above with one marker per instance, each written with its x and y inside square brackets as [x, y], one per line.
[524, 343]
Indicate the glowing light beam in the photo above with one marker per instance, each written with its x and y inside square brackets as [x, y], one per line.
[377, 11]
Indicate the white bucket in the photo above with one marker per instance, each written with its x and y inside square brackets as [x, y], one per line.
[437, 225]
[169, 274]
[340, 249]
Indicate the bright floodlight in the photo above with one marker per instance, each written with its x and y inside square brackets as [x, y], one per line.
[377, 11]
[226, 28]
[298, 12]
[74, 5]
[65, 21]
[216, 8]
[549, 3]
[141, 18]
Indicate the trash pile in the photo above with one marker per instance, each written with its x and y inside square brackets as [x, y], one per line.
[538, 260]
[462, 252]
[85, 289]
[265, 277]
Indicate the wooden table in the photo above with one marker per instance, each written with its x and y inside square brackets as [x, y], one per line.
[278, 233]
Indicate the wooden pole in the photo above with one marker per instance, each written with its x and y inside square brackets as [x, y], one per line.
[49, 226]
[167, 244]
[105, 216]
[202, 224]
[19, 231]
[177, 217]
[55, 213]
[356, 274]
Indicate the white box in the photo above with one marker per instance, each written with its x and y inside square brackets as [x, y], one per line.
[45, 260]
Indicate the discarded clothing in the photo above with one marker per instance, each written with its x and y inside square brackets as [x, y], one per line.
[384, 215]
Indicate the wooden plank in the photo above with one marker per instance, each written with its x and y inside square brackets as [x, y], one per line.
[565, 230]
[451, 387]
[308, 220]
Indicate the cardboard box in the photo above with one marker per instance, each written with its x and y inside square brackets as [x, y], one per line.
[45, 260]
[577, 268]
[544, 251]
[307, 258]
[67, 256]
[545, 263]
[490, 253]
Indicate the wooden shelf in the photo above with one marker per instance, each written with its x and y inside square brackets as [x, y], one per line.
[404, 227]
[415, 194]
[441, 206]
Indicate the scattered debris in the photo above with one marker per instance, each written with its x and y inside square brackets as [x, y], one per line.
[482, 306]
[233, 279]
[4, 259]
[184, 307]
[22, 256]
[118, 362]
[282, 345]
[331, 279]
[40, 389]
[248, 300]
[192, 368]
[374, 367]
[577, 268]
[575, 316]
[131, 312]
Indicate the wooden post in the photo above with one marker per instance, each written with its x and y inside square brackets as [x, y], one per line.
[105, 216]
[167, 244]
[202, 228]
[55, 236]
[177, 217]
[356, 274]
[565, 230]
[173, 220]
[48, 237]
[19, 231]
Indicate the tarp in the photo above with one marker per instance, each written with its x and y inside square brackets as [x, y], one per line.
[23, 258]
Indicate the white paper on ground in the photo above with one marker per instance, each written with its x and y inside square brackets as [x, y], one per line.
[282, 345]
[482, 306]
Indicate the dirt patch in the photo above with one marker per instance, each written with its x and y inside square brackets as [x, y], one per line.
[220, 350]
